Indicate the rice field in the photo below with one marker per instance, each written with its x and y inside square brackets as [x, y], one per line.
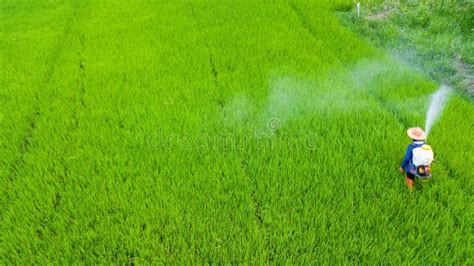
[224, 132]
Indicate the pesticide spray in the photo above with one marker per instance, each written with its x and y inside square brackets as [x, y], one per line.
[438, 101]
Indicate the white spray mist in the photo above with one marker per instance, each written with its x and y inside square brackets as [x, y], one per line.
[438, 101]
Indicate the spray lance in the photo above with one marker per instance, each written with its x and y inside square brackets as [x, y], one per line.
[437, 104]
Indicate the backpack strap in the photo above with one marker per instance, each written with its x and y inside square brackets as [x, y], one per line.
[412, 167]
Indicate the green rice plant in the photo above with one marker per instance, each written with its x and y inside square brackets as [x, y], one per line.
[219, 132]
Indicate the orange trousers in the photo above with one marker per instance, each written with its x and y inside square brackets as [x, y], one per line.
[409, 182]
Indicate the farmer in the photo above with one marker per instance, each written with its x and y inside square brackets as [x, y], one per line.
[418, 136]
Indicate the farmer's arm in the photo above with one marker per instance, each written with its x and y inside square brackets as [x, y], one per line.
[407, 158]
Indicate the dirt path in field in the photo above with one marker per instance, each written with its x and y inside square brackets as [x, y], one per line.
[466, 74]
[378, 16]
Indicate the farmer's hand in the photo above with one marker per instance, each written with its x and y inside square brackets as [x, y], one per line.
[401, 169]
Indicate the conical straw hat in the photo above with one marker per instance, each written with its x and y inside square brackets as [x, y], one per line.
[416, 133]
